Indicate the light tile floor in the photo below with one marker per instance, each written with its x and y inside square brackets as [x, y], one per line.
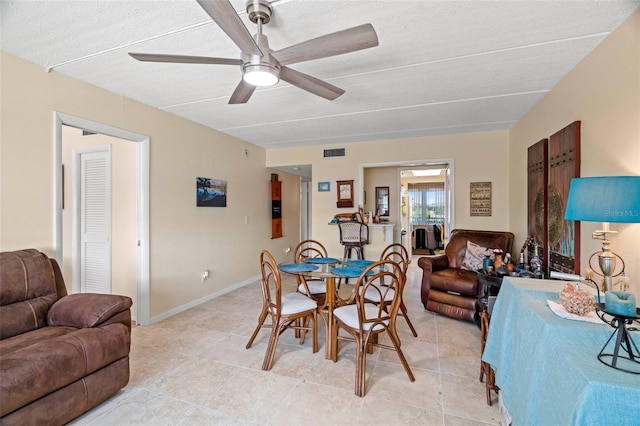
[193, 369]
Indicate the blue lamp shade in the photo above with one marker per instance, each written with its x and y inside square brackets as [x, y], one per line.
[604, 199]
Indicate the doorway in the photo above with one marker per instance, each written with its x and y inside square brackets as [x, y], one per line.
[426, 204]
[383, 174]
[141, 185]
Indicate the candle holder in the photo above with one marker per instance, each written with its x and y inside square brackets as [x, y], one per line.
[625, 356]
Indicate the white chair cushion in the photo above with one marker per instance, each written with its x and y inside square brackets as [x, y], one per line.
[373, 295]
[293, 303]
[349, 316]
[315, 287]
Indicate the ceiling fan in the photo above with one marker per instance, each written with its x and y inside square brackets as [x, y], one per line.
[262, 66]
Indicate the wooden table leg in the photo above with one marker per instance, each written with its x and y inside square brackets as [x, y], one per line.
[330, 301]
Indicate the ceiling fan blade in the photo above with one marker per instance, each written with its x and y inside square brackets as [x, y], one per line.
[223, 13]
[338, 43]
[310, 84]
[157, 57]
[242, 93]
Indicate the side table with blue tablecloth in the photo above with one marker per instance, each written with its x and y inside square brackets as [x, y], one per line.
[547, 366]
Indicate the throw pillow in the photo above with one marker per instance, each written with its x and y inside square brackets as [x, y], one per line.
[474, 256]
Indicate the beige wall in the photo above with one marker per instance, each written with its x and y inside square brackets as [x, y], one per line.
[123, 205]
[382, 176]
[476, 157]
[184, 239]
[603, 92]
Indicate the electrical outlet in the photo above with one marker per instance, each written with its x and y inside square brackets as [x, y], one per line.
[287, 250]
[246, 220]
[205, 275]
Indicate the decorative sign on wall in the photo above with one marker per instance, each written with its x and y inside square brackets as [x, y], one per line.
[276, 208]
[480, 203]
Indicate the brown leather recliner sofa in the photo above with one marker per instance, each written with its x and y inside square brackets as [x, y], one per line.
[446, 287]
[60, 355]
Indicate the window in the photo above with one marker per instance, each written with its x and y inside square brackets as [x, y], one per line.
[427, 203]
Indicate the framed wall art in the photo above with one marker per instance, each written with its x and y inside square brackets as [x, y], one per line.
[563, 236]
[211, 192]
[345, 193]
[551, 164]
[324, 187]
[480, 202]
[537, 182]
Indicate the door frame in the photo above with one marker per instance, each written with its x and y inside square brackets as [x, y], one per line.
[142, 200]
[414, 164]
[305, 209]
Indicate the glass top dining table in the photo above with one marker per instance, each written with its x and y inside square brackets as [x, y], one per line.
[327, 269]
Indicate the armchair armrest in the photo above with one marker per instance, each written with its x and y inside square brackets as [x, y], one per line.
[430, 264]
[434, 263]
[85, 310]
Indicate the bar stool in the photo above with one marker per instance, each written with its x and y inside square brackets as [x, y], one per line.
[353, 236]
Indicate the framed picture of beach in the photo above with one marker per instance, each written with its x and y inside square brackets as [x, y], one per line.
[211, 192]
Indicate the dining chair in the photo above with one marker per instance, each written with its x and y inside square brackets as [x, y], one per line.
[399, 254]
[315, 288]
[486, 371]
[365, 321]
[353, 236]
[287, 311]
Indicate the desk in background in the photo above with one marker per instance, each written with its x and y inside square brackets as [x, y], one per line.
[547, 367]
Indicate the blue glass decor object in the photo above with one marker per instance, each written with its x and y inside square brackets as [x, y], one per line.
[620, 303]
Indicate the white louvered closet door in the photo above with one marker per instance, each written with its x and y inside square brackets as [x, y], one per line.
[95, 221]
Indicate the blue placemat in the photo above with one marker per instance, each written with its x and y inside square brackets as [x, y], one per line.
[298, 267]
[359, 263]
[322, 260]
[349, 272]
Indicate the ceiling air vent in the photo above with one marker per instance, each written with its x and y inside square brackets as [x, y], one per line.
[336, 152]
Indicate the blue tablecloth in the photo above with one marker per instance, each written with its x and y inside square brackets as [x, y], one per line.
[547, 367]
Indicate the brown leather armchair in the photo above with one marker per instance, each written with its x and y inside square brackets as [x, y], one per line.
[446, 287]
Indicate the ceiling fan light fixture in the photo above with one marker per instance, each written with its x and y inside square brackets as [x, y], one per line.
[260, 75]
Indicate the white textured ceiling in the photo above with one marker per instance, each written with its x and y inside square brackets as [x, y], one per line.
[441, 66]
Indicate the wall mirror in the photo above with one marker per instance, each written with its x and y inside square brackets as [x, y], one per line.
[382, 200]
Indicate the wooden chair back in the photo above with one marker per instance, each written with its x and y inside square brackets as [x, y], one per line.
[308, 249]
[271, 283]
[397, 253]
[387, 283]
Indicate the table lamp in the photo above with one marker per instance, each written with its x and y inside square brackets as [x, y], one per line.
[605, 199]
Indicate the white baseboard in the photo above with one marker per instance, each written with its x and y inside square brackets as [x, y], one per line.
[206, 298]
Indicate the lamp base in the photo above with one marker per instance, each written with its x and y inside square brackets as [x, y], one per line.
[610, 266]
